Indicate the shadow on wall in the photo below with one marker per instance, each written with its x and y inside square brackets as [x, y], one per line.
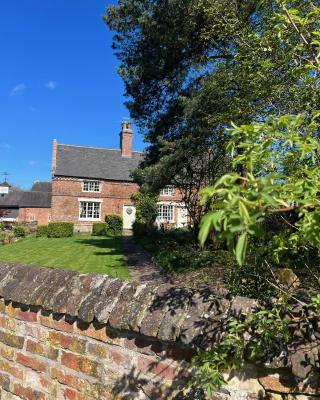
[298, 372]
[132, 386]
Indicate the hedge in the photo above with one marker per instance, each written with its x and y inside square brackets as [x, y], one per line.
[99, 229]
[114, 224]
[42, 231]
[60, 229]
[19, 231]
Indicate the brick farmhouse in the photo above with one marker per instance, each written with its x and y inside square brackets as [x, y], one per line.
[88, 183]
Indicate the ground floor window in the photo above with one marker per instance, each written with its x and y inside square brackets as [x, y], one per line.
[165, 212]
[89, 210]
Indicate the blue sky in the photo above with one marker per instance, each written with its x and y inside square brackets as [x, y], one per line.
[58, 80]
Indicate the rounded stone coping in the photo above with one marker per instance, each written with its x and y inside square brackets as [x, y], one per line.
[162, 311]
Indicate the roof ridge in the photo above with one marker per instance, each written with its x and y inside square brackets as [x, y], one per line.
[94, 147]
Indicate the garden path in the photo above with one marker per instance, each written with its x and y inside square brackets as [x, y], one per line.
[141, 267]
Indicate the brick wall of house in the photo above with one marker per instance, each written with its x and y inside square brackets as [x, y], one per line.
[41, 215]
[175, 199]
[67, 191]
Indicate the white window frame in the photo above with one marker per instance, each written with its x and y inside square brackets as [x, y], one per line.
[85, 200]
[162, 216]
[93, 183]
[167, 191]
[32, 218]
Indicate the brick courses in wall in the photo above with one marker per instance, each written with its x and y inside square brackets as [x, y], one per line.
[92, 337]
[41, 215]
[66, 193]
[113, 195]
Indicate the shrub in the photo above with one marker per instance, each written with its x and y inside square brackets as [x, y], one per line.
[146, 207]
[7, 237]
[114, 224]
[99, 229]
[19, 231]
[60, 229]
[139, 229]
[42, 231]
[1, 226]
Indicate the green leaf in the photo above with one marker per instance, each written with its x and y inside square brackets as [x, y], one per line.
[206, 227]
[241, 249]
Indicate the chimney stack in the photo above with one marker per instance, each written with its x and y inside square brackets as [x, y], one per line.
[126, 135]
[54, 156]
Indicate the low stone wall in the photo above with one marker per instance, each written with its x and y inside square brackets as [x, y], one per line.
[70, 336]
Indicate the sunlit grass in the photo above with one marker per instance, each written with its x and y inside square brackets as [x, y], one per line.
[84, 254]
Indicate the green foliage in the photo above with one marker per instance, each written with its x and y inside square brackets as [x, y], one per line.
[191, 67]
[139, 229]
[182, 259]
[2, 237]
[7, 237]
[42, 231]
[315, 303]
[276, 161]
[99, 229]
[269, 183]
[276, 172]
[19, 231]
[146, 207]
[60, 229]
[281, 174]
[251, 280]
[1, 226]
[114, 224]
[176, 251]
[269, 334]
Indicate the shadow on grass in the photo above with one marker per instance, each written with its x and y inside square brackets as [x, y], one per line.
[112, 245]
[102, 242]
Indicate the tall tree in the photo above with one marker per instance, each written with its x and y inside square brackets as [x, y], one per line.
[192, 66]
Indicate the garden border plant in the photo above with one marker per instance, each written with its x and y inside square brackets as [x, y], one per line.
[114, 224]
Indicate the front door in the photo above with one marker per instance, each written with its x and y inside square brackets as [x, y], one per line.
[182, 217]
[129, 216]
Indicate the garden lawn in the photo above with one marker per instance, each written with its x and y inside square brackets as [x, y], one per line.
[84, 254]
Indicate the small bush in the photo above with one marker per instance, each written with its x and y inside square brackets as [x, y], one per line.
[60, 229]
[19, 231]
[99, 229]
[42, 231]
[1, 226]
[114, 224]
[7, 237]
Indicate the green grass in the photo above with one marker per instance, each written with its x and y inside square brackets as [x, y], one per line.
[84, 254]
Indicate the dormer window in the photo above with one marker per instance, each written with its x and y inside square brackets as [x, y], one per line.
[91, 186]
[167, 191]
